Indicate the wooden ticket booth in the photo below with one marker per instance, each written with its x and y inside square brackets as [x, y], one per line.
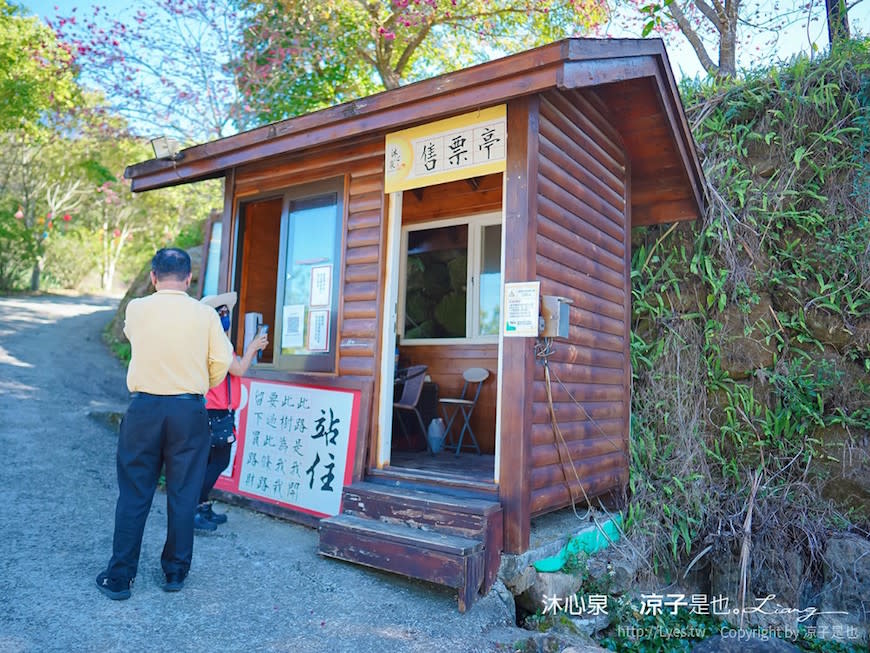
[420, 228]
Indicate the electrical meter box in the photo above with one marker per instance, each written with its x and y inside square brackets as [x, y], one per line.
[555, 317]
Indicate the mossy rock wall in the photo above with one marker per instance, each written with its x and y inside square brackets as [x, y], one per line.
[751, 330]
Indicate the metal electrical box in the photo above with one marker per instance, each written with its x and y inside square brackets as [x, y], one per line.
[555, 317]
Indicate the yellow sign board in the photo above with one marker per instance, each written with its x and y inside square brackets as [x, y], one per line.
[470, 145]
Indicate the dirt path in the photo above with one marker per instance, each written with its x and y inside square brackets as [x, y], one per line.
[257, 585]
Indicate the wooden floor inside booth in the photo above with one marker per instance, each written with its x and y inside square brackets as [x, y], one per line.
[467, 465]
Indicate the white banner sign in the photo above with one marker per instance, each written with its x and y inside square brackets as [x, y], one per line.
[296, 445]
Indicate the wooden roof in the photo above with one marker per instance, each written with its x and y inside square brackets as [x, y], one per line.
[632, 76]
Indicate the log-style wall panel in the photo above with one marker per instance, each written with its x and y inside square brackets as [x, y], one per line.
[359, 292]
[554, 475]
[360, 316]
[567, 228]
[567, 391]
[364, 220]
[581, 249]
[608, 474]
[567, 413]
[555, 172]
[576, 260]
[586, 293]
[548, 454]
[363, 254]
[279, 173]
[542, 434]
[572, 353]
[582, 211]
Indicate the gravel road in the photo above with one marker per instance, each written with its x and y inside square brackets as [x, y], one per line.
[258, 584]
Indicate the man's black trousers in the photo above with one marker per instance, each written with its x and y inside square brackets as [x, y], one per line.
[158, 431]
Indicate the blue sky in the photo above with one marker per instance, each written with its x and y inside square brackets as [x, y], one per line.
[791, 40]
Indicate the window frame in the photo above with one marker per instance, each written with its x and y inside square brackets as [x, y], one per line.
[316, 362]
[476, 223]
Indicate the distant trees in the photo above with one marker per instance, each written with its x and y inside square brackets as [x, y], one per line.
[714, 28]
[35, 71]
[163, 65]
[301, 55]
[36, 81]
[65, 210]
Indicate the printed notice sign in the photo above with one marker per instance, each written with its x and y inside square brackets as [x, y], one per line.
[521, 301]
[294, 326]
[297, 445]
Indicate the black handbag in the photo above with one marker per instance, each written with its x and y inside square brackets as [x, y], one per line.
[223, 427]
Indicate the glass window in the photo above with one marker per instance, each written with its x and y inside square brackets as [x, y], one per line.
[489, 306]
[452, 280]
[213, 262]
[308, 280]
[437, 277]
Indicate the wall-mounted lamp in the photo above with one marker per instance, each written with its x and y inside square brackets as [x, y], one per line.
[166, 148]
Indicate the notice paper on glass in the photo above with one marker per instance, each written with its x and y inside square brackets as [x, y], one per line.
[293, 320]
[318, 330]
[321, 285]
[521, 302]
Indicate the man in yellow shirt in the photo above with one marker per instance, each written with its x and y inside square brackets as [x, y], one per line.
[179, 351]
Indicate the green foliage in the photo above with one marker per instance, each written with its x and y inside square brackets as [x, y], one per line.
[17, 252]
[36, 74]
[123, 352]
[69, 259]
[637, 632]
[300, 56]
[190, 235]
[785, 241]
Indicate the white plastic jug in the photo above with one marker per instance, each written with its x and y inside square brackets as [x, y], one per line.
[435, 435]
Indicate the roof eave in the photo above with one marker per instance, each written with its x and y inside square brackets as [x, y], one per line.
[571, 63]
[478, 86]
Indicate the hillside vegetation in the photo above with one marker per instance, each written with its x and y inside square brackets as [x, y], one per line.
[751, 334]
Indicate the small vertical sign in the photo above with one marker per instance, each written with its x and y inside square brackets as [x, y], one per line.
[521, 301]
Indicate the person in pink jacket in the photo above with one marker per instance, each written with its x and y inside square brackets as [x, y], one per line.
[217, 403]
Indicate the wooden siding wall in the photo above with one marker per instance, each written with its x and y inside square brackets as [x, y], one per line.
[447, 362]
[362, 165]
[582, 254]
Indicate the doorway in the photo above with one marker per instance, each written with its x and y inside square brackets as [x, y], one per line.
[444, 283]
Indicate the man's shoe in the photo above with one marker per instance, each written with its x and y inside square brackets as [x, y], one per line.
[174, 582]
[117, 590]
[200, 523]
[205, 509]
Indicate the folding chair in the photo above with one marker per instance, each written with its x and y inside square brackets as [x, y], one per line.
[464, 405]
[412, 390]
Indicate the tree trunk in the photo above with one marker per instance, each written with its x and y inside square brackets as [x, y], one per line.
[728, 52]
[838, 21]
[36, 273]
[109, 277]
[728, 39]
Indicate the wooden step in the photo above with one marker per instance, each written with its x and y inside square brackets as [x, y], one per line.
[448, 511]
[458, 515]
[437, 557]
